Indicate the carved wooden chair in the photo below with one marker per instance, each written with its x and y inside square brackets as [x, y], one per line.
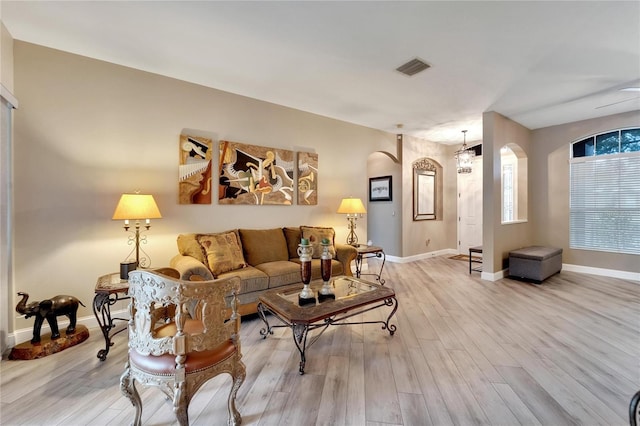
[634, 410]
[199, 340]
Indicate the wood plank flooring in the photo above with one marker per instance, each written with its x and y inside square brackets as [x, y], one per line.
[466, 352]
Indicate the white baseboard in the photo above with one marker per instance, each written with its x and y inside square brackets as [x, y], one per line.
[493, 276]
[613, 273]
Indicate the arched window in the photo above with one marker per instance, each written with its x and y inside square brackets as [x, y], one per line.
[513, 163]
[605, 192]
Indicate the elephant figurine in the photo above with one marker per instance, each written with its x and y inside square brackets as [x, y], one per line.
[49, 309]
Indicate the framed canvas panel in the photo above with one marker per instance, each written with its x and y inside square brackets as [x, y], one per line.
[380, 188]
[307, 178]
[194, 170]
[252, 174]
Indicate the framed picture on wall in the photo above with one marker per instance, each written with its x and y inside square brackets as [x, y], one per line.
[380, 189]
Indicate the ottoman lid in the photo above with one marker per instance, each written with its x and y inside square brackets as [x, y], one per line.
[535, 252]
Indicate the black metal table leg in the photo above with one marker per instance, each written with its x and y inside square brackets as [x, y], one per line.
[102, 303]
[264, 332]
[300, 332]
[381, 254]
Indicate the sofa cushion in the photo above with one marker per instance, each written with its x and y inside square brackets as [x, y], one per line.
[223, 251]
[263, 245]
[252, 279]
[293, 235]
[315, 234]
[281, 273]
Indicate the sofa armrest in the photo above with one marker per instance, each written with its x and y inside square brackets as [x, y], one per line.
[346, 254]
[190, 268]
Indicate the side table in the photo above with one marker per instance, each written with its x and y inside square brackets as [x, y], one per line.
[365, 252]
[109, 290]
[472, 250]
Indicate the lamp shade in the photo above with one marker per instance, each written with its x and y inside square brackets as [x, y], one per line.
[136, 207]
[351, 206]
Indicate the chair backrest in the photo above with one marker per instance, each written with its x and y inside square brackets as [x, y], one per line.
[203, 313]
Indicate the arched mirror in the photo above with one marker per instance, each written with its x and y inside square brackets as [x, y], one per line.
[424, 190]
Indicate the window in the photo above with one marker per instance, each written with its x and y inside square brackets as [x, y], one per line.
[513, 164]
[605, 192]
[507, 193]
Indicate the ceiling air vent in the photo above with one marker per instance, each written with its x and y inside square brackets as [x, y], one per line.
[413, 67]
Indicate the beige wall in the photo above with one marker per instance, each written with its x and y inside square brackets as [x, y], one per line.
[88, 131]
[6, 58]
[547, 151]
[6, 275]
[442, 232]
[549, 189]
[384, 218]
[498, 238]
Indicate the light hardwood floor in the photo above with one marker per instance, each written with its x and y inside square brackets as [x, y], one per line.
[466, 352]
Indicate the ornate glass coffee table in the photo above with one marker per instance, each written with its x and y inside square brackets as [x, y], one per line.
[353, 296]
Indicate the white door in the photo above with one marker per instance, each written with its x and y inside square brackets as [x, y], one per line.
[470, 208]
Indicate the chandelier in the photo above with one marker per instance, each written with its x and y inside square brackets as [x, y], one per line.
[464, 156]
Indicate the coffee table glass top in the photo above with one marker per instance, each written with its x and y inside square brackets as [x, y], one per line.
[343, 287]
[350, 293]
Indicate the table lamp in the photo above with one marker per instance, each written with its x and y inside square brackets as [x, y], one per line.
[352, 207]
[137, 207]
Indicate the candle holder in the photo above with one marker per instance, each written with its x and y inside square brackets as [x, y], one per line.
[305, 251]
[326, 292]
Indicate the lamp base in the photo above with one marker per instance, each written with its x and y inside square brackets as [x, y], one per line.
[126, 267]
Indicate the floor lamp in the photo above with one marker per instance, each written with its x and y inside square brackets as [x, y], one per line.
[352, 207]
[137, 207]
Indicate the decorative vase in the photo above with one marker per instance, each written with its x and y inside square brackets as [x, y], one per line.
[305, 251]
[325, 268]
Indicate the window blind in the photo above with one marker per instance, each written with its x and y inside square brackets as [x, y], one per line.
[605, 203]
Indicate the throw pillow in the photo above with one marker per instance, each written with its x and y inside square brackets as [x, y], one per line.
[292, 235]
[316, 235]
[223, 251]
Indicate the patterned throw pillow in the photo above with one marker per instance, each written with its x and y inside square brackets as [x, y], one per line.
[223, 252]
[315, 235]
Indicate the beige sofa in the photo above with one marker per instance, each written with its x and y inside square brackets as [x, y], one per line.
[262, 258]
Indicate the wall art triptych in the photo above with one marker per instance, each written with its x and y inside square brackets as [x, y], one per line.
[194, 185]
[247, 174]
[307, 178]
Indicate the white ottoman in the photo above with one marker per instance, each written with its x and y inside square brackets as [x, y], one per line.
[535, 263]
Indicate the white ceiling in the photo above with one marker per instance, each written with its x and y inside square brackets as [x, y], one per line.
[538, 63]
